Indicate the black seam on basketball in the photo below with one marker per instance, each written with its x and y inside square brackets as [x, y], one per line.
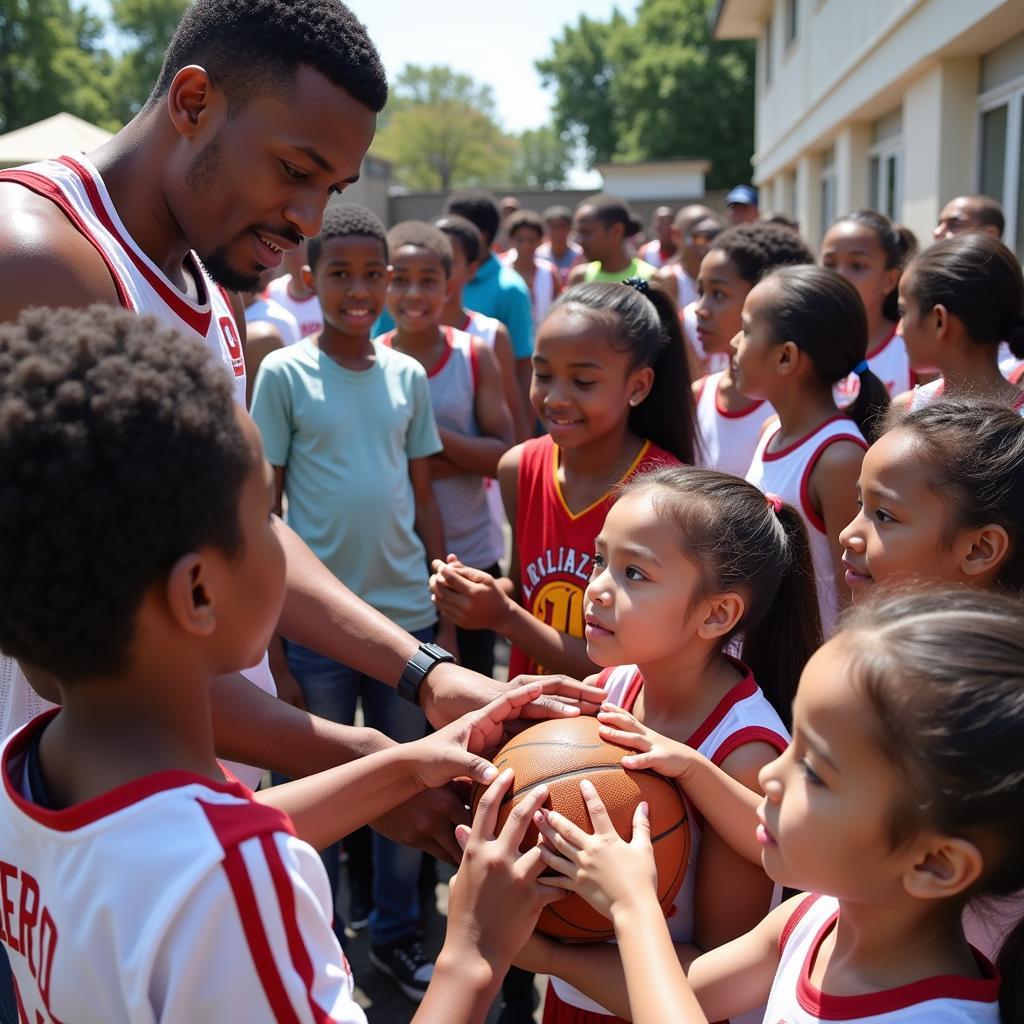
[563, 775]
[661, 835]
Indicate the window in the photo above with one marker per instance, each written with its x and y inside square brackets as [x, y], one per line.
[886, 181]
[768, 55]
[1000, 166]
[792, 21]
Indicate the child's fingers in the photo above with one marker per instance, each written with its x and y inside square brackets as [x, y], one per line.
[514, 830]
[638, 762]
[619, 719]
[632, 740]
[550, 859]
[596, 808]
[558, 882]
[486, 819]
[560, 833]
[641, 825]
[462, 834]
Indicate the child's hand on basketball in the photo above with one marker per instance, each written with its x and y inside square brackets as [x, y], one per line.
[603, 868]
[654, 751]
[460, 749]
[471, 598]
[496, 897]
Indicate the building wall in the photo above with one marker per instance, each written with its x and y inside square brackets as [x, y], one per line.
[879, 103]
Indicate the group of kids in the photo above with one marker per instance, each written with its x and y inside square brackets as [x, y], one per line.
[685, 545]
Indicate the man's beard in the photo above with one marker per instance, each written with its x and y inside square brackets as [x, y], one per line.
[199, 178]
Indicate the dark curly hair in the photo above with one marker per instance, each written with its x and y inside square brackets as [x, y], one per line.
[610, 210]
[343, 220]
[478, 208]
[420, 235]
[754, 249]
[525, 219]
[119, 453]
[249, 46]
[460, 231]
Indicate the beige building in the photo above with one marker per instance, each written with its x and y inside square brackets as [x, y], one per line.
[897, 105]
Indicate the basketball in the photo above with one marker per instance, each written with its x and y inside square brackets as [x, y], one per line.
[561, 752]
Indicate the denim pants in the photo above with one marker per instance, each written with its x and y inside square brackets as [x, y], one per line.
[331, 690]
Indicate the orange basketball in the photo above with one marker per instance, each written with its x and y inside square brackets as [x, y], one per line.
[561, 752]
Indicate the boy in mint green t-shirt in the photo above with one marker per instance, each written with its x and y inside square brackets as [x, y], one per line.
[348, 427]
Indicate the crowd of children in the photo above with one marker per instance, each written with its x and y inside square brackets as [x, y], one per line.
[768, 510]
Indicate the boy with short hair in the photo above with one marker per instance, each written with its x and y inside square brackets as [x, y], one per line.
[466, 393]
[139, 883]
[343, 418]
[467, 246]
[604, 224]
[292, 291]
[558, 248]
[525, 233]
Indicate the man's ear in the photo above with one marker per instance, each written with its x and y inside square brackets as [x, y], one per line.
[189, 591]
[194, 103]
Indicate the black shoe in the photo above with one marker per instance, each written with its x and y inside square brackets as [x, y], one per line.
[405, 963]
[359, 907]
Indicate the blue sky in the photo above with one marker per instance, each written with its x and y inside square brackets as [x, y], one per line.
[494, 42]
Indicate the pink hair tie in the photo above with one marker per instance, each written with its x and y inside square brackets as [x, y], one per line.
[775, 501]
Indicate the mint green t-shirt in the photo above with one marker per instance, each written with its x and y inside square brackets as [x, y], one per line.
[636, 268]
[345, 439]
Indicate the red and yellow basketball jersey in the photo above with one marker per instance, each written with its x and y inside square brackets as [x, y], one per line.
[556, 547]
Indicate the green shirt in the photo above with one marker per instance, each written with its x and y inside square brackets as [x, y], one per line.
[345, 439]
[636, 268]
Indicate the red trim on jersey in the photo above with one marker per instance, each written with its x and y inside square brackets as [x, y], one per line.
[556, 451]
[701, 384]
[745, 688]
[558, 1011]
[632, 691]
[469, 322]
[79, 815]
[296, 946]
[1017, 374]
[389, 338]
[256, 937]
[795, 918]
[805, 481]
[884, 344]
[474, 362]
[772, 456]
[733, 415]
[50, 190]
[198, 320]
[749, 734]
[943, 986]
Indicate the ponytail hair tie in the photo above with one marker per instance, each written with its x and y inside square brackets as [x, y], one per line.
[861, 368]
[775, 501]
[640, 285]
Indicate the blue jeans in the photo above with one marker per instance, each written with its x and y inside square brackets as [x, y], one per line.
[331, 691]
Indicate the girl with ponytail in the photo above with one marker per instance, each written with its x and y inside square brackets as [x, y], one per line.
[959, 300]
[611, 386]
[871, 252]
[692, 563]
[804, 329]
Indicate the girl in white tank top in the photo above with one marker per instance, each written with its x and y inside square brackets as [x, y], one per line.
[961, 300]
[728, 439]
[870, 252]
[873, 810]
[804, 329]
[673, 675]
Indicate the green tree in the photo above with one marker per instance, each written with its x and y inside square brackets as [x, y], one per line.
[543, 157]
[146, 27]
[656, 87]
[51, 59]
[440, 131]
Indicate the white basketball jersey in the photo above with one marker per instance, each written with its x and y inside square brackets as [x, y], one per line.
[743, 716]
[307, 311]
[483, 327]
[76, 188]
[172, 898]
[795, 999]
[787, 473]
[889, 363]
[686, 286]
[728, 440]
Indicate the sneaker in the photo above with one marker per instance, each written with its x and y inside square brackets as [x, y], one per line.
[405, 963]
[359, 907]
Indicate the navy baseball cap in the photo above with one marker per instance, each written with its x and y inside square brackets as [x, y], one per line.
[742, 194]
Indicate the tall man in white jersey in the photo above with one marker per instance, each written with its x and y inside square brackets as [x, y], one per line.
[263, 109]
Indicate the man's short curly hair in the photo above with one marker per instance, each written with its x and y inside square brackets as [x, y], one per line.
[755, 249]
[119, 453]
[421, 235]
[479, 208]
[525, 219]
[344, 220]
[465, 233]
[252, 46]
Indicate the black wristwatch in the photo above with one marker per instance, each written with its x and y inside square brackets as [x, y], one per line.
[417, 668]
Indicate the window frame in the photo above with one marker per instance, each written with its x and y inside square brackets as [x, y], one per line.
[884, 151]
[1011, 95]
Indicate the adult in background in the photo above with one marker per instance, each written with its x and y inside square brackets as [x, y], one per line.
[741, 205]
